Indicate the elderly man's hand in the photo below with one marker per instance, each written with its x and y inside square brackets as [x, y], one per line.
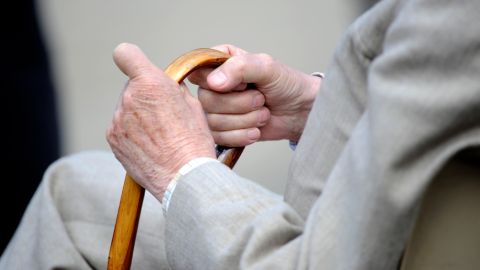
[158, 126]
[254, 97]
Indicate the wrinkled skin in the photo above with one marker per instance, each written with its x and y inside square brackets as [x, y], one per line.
[159, 126]
[274, 107]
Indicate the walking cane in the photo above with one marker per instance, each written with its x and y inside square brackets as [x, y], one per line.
[123, 240]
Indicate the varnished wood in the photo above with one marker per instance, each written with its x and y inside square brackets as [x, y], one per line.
[181, 67]
[229, 156]
[123, 240]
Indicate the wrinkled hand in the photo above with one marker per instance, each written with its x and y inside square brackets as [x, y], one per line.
[253, 97]
[158, 126]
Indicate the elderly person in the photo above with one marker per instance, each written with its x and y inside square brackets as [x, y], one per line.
[400, 101]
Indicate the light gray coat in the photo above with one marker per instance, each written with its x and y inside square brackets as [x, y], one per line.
[401, 99]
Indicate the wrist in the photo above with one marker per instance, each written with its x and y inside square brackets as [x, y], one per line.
[310, 89]
[187, 149]
[181, 156]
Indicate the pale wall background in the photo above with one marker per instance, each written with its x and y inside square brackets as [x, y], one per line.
[81, 36]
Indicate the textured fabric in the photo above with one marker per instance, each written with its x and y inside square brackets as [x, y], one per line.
[401, 100]
[192, 164]
[69, 222]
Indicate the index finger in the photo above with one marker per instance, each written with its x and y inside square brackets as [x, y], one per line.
[230, 49]
[199, 77]
[259, 69]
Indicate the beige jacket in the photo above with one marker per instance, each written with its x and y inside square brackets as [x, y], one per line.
[400, 101]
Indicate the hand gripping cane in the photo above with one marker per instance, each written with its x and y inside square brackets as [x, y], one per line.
[123, 240]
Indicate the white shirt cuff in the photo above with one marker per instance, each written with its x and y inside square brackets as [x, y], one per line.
[188, 167]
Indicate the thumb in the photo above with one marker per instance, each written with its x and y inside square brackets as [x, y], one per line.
[259, 69]
[131, 60]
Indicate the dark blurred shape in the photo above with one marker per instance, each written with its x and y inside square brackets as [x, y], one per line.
[30, 137]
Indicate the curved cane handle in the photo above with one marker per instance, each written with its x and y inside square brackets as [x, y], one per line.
[123, 240]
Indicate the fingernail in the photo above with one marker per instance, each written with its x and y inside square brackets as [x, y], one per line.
[262, 118]
[253, 134]
[258, 101]
[217, 78]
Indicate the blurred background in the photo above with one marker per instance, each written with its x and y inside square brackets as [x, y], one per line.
[62, 86]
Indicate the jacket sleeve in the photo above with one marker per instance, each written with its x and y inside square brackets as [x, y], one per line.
[423, 107]
[218, 220]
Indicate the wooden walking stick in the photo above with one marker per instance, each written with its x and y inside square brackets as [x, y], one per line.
[123, 240]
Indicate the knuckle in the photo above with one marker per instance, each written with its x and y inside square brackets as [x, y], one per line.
[110, 135]
[127, 100]
[116, 123]
[117, 117]
[239, 64]
[266, 60]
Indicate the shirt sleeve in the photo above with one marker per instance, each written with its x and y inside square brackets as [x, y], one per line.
[185, 169]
